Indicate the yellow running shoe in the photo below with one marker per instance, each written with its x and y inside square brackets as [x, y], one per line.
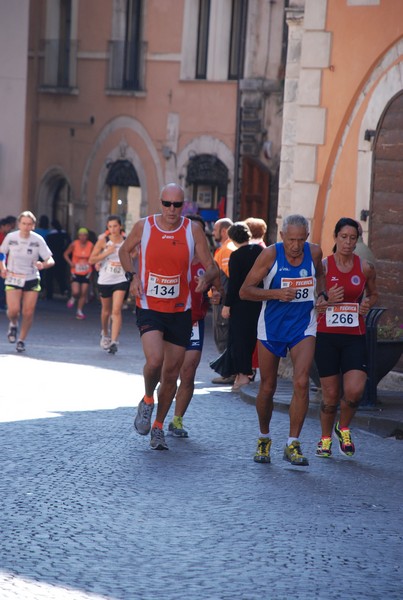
[293, 455]
[346, 444]
[263, 450]
[324, 448]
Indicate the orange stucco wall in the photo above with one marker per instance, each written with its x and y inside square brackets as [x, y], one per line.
[360, 37]
[62, 135]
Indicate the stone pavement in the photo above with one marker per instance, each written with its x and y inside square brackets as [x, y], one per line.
[88, 511]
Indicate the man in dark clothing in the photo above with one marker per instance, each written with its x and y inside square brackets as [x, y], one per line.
[57, 240]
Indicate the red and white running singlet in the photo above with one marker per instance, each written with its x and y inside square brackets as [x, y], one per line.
[165, 267]
[344, 316]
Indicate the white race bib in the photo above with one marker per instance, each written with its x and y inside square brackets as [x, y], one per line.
[81, 268]
[15, 279]
[342, 315]
[160, 286]
[305, 287]
[114, 268]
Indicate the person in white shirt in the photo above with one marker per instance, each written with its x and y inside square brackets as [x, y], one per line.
[23, 254]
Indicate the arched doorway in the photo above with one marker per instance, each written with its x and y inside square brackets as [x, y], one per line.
[386, 207]
[125, 192]
[55, 199]
[207, 182]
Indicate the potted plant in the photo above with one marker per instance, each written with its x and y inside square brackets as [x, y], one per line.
[389, 346]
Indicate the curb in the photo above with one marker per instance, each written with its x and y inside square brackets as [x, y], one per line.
[375, 421]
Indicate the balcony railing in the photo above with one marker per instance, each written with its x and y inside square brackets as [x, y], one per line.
[126, 65]
[59, 64]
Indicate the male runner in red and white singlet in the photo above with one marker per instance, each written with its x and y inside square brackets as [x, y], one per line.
[167, 243]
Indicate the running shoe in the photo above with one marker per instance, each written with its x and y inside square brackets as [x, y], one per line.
[293, 455]
[12, 333]
[345, 442]
[113, 348]
[70, 303]
[80, 316]
[324, 447]
[105, 341]
[20, 346]
[157, 441]
[263, 450]
[142, 422]
[176, 428]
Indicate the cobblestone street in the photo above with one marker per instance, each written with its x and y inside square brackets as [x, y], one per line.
[89, 511]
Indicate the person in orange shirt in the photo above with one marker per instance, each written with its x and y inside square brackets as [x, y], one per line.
[167, 244]
[77, 255]
[221, 257]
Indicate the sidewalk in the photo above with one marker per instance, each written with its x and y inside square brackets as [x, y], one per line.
[385, 419]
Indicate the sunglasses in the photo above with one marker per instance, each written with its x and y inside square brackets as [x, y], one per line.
[167, 204]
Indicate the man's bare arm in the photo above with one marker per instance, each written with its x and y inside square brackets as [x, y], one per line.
[211, 276]
[250, 290]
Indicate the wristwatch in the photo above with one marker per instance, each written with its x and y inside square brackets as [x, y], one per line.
[326, 297]
[129, 275]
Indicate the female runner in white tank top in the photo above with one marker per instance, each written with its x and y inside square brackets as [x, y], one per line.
[112, 284]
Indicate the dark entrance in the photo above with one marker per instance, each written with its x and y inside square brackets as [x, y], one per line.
[386, 208]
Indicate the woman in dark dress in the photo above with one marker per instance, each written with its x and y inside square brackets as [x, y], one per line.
[243, 314]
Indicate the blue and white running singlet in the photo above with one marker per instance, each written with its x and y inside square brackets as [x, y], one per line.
[288, 321]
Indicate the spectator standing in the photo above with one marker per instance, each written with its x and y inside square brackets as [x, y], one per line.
[43, 226]
[258, 229]
[221, 257]
[6, 225]
[242, 314]
[58, 241]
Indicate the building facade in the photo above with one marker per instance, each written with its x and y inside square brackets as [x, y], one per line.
[127, 95]
[342, 140]
[14, 18]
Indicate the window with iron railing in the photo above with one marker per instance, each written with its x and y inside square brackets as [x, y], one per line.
[126, 65]
[127, 51]
[202, 39]
[237, 39]
[59, 64]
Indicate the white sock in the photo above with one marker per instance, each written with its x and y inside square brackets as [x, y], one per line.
[291, 440]
[264, 435]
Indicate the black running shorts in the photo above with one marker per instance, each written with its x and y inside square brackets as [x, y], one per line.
[176, 327]
[339, 353]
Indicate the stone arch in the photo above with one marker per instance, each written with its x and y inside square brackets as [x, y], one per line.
[55, 197]
[384, 81]
[208, 145]
[102, 200]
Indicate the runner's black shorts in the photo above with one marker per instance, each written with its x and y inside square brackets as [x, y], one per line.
[32, 285]
[339, 353]
[176, 327]
[106, 290]
[80, 278]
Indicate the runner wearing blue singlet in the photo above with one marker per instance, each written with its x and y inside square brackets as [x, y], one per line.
[292, 276]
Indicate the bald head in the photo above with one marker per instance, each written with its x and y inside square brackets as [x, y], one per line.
[173, 188]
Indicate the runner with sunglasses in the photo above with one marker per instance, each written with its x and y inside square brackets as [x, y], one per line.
[167, 243]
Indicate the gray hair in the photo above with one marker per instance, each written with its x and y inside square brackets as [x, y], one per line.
[297, 220]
